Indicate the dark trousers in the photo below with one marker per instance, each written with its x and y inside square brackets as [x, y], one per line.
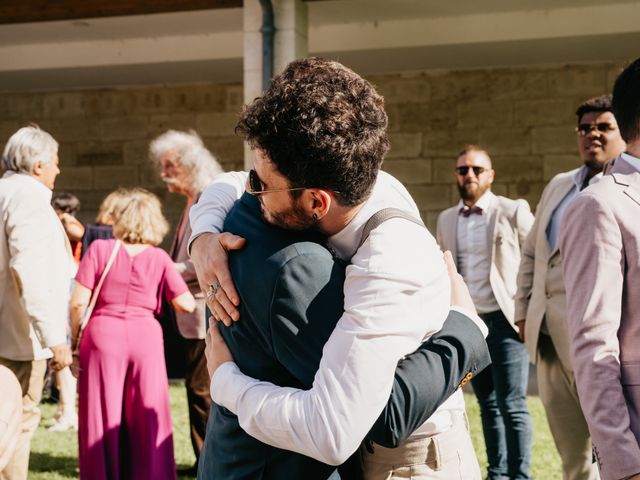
[501, 390]
[197, 382]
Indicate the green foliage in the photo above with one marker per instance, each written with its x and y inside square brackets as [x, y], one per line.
[54, 454]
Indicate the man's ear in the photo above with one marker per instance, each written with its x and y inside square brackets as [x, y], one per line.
[318, 202]
[36, 171]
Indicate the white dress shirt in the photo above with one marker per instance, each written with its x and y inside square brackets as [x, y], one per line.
[553, 228]
[396, 295]
[474, 254]
[35, 268]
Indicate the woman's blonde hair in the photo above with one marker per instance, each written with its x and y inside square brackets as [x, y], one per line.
[140, 219]
[112, 203]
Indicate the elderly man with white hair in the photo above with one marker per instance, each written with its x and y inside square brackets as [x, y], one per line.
[187, 168]
[35, 268]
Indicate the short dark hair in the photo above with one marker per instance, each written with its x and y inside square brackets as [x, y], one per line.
[66, 202]
[626, 102]
[471, 148]
[323, 126]
[600, 103]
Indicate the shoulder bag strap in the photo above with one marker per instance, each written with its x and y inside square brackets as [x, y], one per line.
[382, 216]
[96, 291]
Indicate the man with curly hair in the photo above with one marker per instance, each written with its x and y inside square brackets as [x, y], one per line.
[319, 134]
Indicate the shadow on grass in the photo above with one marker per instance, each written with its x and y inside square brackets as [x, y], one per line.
[65, 467]
[185, 476]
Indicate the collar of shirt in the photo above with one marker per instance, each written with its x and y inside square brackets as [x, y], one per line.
[631, 160]
[581, 174]
[27, 179]
[387, 192]
[484, 202]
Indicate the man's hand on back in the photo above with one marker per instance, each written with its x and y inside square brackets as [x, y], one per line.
[216, 351]
[211, 262]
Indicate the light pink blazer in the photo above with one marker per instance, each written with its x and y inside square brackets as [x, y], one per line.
[600, 247]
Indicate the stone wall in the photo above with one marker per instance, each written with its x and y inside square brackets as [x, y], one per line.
[523, 117]
[104, 135]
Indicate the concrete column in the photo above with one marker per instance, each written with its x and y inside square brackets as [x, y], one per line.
[291, 42]
[252, 60]
[292, 32]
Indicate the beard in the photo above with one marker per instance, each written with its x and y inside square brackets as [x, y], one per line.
[595, 164]
[293, 219]
[472, 191]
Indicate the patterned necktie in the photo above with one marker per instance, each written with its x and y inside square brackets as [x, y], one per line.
[466, 211]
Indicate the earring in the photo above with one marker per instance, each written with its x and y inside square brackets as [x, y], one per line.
[314, 217]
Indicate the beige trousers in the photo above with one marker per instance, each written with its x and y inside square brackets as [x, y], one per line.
[446, 456]
[10, 414]
[31, 378]
[559, 396]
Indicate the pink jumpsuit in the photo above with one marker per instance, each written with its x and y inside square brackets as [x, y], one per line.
[124, 422]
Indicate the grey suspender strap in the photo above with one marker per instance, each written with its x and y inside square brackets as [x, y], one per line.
[382, 216]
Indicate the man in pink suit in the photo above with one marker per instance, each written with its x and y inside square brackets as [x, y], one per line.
[540, 309]
[600, 245]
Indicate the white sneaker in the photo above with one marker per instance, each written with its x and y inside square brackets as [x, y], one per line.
[63, 424]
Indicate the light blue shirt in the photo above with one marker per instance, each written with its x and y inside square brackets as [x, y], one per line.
[553, 228]
[631, 160]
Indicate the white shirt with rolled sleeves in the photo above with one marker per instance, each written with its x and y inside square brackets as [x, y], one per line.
[397, 294]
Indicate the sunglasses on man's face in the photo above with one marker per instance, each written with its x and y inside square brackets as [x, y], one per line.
[585, 128]
[462, 171]
[255, 186]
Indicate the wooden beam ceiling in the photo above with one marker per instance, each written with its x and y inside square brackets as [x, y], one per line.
[25, 11]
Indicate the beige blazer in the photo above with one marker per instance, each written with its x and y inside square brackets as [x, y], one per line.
[509, 222]
[600, 244]
[36, 268]
[190, 325]
[541, 293]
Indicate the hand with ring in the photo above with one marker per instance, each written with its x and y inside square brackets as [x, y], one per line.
[210, 260]
[213, 289]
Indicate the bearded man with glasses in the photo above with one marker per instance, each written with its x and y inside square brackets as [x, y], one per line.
[485, 233]
[319, 136]
[541, 311]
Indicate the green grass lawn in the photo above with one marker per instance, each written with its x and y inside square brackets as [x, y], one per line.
[545, 462]
[54, 455]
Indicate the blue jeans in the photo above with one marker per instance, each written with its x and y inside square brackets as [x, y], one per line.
[501, 390]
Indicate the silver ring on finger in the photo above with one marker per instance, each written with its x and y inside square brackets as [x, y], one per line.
[213, 289]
